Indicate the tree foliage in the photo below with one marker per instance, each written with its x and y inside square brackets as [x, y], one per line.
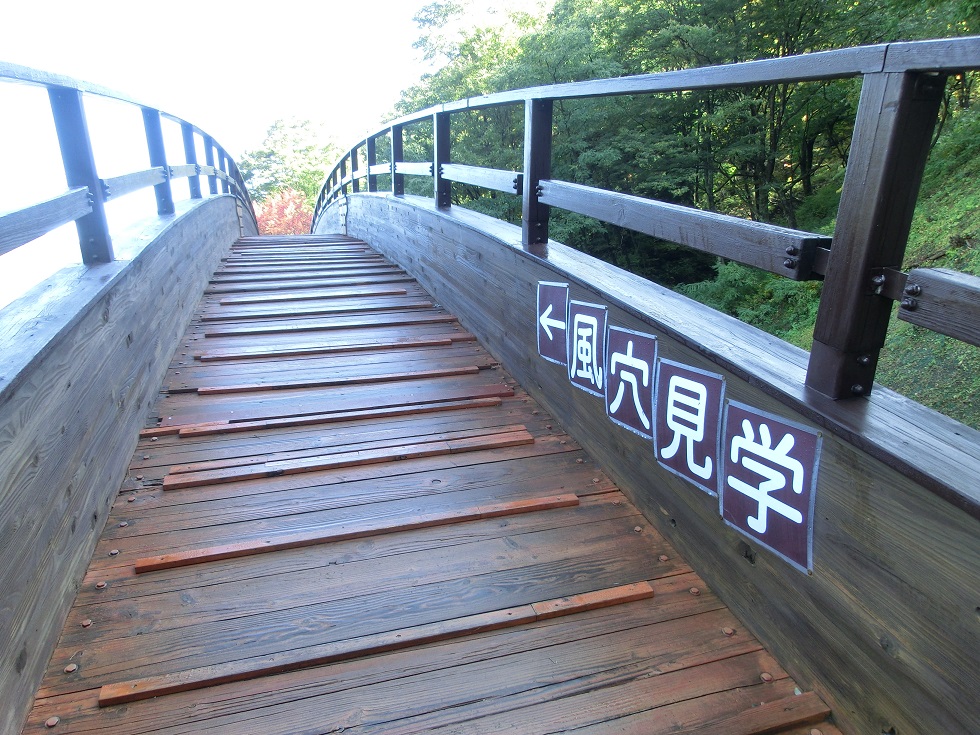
[296, 154]
[772, 153]
[284, 212]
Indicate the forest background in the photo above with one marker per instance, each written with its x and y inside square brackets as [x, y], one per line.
[773, 153]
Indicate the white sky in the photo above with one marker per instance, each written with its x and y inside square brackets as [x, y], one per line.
[231, 68]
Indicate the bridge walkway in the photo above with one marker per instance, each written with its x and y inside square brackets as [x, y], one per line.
[347, 517]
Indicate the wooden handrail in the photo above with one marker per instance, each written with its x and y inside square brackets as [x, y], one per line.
[902, 88]
[84, 203]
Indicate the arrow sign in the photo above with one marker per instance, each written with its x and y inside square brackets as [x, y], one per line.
[552, 325]
[547, 322]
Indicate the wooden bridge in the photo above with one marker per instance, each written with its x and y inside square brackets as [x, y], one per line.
[423, 470]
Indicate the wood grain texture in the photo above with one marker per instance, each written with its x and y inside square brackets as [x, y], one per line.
[68, 418]
[888, 605]
[944, 301]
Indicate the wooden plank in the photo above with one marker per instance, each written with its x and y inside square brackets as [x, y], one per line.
[240, 426]
[382, 320]
[300, 285]
[295, 541]
[345, 459]
[331, 382]
[752, 243]
[310, 274]
[118, 186]
[331, 349]
[29, 223]
[253, 314]
[509, 182]
[378, 643]
[944, 301]
[331, 294]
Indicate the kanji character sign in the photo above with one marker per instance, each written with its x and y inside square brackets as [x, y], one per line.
[689, 405]
[552, 321]
[586, 346]
[631, 359]
[770, 481]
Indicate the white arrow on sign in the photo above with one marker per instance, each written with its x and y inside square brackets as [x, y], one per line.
[546, 322]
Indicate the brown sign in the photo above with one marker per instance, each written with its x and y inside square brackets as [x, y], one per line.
[586, 346]
[631, 364]
[552, 318]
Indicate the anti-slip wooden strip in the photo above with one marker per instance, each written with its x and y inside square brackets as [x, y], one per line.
[350, 531]
[334, 382]
[347, 459]
[330, 418]
[263, 352]
[334, 652]
[306, 285]
[226, 315]
[383, 320]
[277, 298]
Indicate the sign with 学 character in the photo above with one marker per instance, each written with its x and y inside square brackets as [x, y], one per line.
[770, 471]
[689, 407]
[631, 361]
[586, 336]
[552, 321]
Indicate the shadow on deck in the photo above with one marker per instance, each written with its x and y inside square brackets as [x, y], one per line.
[348, 517]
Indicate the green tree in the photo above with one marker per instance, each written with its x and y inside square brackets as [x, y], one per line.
[296, 154]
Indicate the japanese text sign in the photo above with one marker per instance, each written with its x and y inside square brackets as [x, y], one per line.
[689, 405]
[586, 336]
[770, 471]
[631, 361]
[551, 318]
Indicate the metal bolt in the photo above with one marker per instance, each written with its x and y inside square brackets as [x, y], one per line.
[790, 263]
[113, 552]
[910, 304]
[857, 389]
[637, 529]
[879, 280]
[100, 585]
[139, 477]
[86, 623]
[766, 676]
[664, 557]
[913, 289]
[52, 721]
[71, 668]
[131, 499]
[123, 524]
[579, 460]
[792, 250]
[815, 731]
[154, 438]
[695, 591]
[617, 501]
[728, 631]
[562, 441]
[864, 360]
[595, 480]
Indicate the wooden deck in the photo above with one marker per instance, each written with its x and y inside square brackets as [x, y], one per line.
[347, 517]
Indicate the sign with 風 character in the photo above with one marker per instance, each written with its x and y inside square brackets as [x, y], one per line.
[552, 316]
[770, 480]
[689, 406]
[631, 360]
[586, 336]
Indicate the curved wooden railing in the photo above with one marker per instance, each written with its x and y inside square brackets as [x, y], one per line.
[903, 85]
[84, 202]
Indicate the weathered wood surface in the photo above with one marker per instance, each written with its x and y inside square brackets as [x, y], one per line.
[24, 225]
[944, 301]
[81, 360]
[885, 628]
[507, 587]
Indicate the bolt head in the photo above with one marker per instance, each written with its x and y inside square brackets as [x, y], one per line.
[790, 263]
[766, 676]
[100, 585]
[71, 668]
[728, 631]
[664, 557]
[637, 529]
[86, 623]
[857, 389]
[695, 591]
[52, 722]
[913, 289]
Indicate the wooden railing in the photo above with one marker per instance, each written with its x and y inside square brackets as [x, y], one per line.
[861, 265]
[84, 202]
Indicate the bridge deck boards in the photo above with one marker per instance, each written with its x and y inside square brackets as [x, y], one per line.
[465, 567]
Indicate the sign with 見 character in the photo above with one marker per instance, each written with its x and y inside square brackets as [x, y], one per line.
[770, 480]
[631, 360]
[586, 334]
[689, 409]
[551, 318]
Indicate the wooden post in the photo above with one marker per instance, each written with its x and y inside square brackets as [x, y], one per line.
[209, 160]
[343, 175]
[223, 165]
[190, 155]
[441, 142]
[158, 157]
[79, 162]
[537, 167]
[372, 159]
[355, 184]
[397, 153]
[895, 123]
